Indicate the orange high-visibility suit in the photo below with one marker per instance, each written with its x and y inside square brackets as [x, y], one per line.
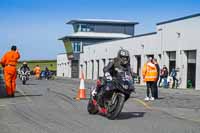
[37, 72]
[9, 62]
[149, 72]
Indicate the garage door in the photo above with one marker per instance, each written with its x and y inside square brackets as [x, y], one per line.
[75, 69]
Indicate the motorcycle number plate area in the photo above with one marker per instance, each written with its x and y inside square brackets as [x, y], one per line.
[108, 87]
[126, 86]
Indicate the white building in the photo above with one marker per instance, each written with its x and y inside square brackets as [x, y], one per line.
[88, 32]
[175, 44]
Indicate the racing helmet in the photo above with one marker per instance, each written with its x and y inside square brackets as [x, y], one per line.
[124, 57]
[25, 64]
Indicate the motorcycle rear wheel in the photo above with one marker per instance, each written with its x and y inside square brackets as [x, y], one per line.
[114, 113]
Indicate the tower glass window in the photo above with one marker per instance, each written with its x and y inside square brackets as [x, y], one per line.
[76, 27]
[76, 47]
[86, 28]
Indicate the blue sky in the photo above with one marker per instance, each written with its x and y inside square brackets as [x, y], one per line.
[35, 25]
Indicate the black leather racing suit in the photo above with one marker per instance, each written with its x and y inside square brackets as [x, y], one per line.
[115, 67]
[24, 68]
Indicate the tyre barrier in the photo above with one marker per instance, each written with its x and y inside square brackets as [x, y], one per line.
[2, 84]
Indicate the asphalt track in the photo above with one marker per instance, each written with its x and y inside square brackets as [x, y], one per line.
[44, 106]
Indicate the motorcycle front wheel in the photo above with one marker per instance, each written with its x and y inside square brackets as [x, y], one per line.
[23, 82]
[115, 109]
[92, 109]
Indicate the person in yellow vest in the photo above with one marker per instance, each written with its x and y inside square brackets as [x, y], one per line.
[149, 73]
[37, 72]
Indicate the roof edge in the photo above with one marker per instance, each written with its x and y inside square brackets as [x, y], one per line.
[145, 34]
[101, 22]
[179, 19]
[71, 37]
[61, 53]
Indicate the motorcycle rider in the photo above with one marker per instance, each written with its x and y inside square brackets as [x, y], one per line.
[25, 68]
[116, 67]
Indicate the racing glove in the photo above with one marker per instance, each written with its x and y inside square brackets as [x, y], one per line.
[108, 76]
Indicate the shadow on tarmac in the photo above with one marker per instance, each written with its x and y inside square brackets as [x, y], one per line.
[129, 115]
[17, 96]
[27, 84]
[160, 98]
[30, 84]
[31, 95]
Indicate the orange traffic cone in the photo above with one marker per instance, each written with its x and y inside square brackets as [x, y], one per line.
[81, 92]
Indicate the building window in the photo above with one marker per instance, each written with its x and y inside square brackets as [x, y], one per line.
[76, 27]
[76, 47]
[86, 28]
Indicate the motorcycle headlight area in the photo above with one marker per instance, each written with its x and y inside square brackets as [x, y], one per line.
[125, 86]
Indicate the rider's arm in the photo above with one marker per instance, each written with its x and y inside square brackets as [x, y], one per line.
[21, 68]
[108, 67]
[28, 68]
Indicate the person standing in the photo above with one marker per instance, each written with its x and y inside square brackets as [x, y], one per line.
[156, 82]
[161, 77]
[9, 62]
[165, 75]
[149, 73]
[47, 73]
[37, 72]
[173, 75]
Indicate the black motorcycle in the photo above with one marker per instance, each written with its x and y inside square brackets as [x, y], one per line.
[111, 96]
